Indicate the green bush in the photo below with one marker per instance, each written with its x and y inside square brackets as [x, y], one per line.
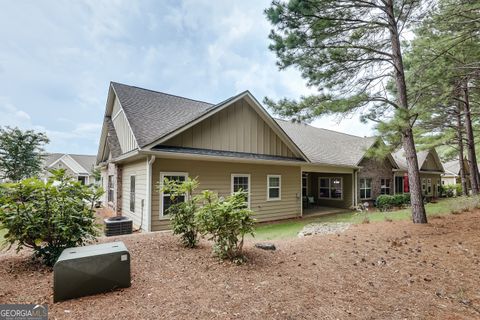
[386, 202]
[452, 190]
[227, 221]
[48, 216]
[182, 214]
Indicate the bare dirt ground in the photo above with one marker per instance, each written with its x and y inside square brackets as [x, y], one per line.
[387, 270]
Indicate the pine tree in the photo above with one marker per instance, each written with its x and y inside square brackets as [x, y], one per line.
[349, 50]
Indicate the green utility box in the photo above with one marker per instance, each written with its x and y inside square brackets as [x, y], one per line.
[87, 270]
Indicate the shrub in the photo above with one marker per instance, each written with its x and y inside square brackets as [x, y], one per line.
[48, 216]
[227, 221]
[182, 214]
[385, 202]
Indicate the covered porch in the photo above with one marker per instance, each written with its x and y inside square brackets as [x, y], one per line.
[321, 211]
[327, 190]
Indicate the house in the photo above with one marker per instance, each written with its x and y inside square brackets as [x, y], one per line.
[79, 166]
[452, 173]
[148, 136]
[431, 169]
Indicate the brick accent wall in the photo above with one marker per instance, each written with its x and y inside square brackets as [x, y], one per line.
[375, 170]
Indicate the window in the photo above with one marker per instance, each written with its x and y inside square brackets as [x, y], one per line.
[82, 179]
[242, 182]
[398, 184]
[165, 200]
[330, 188]
[424, 185]
[132, 193]
[438, 188]
[304, 185]
[110, 188]
[274, 187]
[385, 186]
[366, 188]
[429, 186]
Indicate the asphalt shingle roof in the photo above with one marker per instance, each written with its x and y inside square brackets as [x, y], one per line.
[232, 154]
[324, 146]
[401, 160]
[83, 163]
[153, 114]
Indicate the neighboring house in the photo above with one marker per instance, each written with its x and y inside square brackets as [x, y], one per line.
[431, 169]
[148, 136]
[452, 173]
[78, 166]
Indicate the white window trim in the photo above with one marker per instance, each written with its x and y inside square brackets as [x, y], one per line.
[383, 186]
[360, 188]
[249, 193]
[429, 184]
[330, 188]
[162, 176]
[424, 185]
[279, 187]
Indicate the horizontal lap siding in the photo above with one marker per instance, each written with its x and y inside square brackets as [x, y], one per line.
[216, 176]
[139, 169]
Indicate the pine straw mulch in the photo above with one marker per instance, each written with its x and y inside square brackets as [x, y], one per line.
[387, 270]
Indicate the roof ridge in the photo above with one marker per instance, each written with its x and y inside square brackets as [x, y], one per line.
[155, 91]
[347, 134]
[71, 154]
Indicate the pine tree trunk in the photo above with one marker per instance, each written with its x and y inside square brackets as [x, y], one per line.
[472, 157]
[461, 156]
[416, 197]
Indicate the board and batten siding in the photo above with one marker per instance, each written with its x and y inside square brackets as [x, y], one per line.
[237, 128]
[216, 176]
[430, 164]
[139, 170]
[124, 133]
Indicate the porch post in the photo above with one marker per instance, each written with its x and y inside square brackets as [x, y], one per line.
[148, 221]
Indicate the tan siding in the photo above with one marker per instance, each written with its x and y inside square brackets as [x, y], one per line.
[430, 164]
[313, 190]
[216, 176]
[237, 128]
[139, 169]
[124, 133]
[436, 179]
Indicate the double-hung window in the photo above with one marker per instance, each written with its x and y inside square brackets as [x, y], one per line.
[429, 186]
[365, 188]
[274, 187]
[330, 188]
[165, 199]
[385, 186]
[424, 185]
[241, 182]
[132, 193]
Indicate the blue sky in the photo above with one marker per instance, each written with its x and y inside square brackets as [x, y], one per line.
[57, 58]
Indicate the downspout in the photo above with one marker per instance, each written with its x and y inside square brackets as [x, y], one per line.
[148, 211]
